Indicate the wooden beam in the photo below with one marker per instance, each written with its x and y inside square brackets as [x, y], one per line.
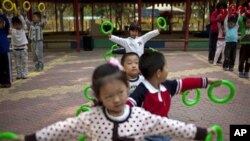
[188, 8]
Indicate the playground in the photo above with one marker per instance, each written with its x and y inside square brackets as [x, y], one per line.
[75, 45]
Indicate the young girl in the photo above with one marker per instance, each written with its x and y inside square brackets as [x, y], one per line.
[220, 46]
[134, 43]
[113, 120]
[130, 63]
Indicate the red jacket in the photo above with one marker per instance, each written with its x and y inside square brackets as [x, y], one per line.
[214, 20]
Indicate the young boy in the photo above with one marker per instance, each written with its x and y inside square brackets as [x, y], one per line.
[130, 63]
[155, 92]
[231, 30]
[36, 37]
[5, 67]
[134, 43]
[19, 43]
[244, 59]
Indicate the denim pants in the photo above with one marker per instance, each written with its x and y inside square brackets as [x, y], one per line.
[158, 138]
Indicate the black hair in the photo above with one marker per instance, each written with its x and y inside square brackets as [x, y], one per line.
[150, 62]
[103, 74]
[245, 4]
[221, 3]
[135, 27]
[124, 56]
[16, 20]
[38, 14]
[232, 19]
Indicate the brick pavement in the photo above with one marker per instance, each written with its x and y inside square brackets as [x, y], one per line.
[54, 94]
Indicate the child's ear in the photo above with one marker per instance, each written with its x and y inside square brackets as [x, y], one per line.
[158, 73]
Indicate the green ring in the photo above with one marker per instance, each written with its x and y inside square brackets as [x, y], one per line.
[221, 100]
[82, 138]
[219, 132]
[193, 102]
[86, 94]
[107, 23]
[8, 135]
[109, 52]
[82, 109]
[164, 26]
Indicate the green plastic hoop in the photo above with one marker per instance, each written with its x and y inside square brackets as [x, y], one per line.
[221, 100]
[82, 109]
[159, 19]
[218, 130]
[193, 102]
[107, 23]
[82, 138]
[8, 135]
[86, 94]
[109, 53]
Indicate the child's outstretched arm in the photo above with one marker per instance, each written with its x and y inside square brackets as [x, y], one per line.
[63, 130]
[150, 35]
[118, 40]
[156, 125]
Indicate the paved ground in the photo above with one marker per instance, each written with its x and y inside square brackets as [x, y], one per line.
[55, 93]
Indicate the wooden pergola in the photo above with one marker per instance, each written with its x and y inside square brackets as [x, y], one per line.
[138, 2]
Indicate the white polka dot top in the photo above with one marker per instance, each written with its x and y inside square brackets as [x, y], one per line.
[134, 125]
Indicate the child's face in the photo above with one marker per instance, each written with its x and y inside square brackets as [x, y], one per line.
[131, 66]
[113, 96]
[134, 33]
[248, 23]
[17, 26]
[163, 74]
[35, 19]
[231, 24]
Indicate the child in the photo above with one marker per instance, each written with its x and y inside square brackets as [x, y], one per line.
[19, 43]
[220, 47]
[130, 63]
[114, 120]
[134, 43]
[36, 37]
[5, 66]
[215, 17]
[231, 30]
[244, 58]
[155, 92]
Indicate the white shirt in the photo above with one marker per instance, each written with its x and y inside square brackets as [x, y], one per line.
[135, 45]
[133, 83]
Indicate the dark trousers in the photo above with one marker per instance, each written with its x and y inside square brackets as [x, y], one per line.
[5, 69]
[243, 59]
[213, 37]
[230, 54]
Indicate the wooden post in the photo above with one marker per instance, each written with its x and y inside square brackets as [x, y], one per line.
[187, 24]
[76, 10]
[152, 16]
[139, 11]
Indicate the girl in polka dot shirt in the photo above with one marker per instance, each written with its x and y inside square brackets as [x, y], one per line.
[113, 120]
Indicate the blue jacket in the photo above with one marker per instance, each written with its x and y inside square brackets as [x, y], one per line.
[4, 43]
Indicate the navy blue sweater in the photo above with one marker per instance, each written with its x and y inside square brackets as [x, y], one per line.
[4, 43]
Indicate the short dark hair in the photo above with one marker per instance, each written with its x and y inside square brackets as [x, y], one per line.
[221, 3]
[103, 74]
[232, 19]
[16, 20]
[134, 27]
[150, 62]
[124, 56]
[38, 14]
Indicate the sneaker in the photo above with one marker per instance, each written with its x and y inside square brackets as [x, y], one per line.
[211, 61]
[219, 62]
[5, 85]
[241, 75]
[231, 69]
[214, 64]
[246, 75]
[17, 78]
[24, 77]
[226, 69]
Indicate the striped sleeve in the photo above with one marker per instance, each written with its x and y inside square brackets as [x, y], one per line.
[137, 97]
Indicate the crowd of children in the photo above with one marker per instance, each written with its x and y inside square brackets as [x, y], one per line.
[15, 27]
[227, 23]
